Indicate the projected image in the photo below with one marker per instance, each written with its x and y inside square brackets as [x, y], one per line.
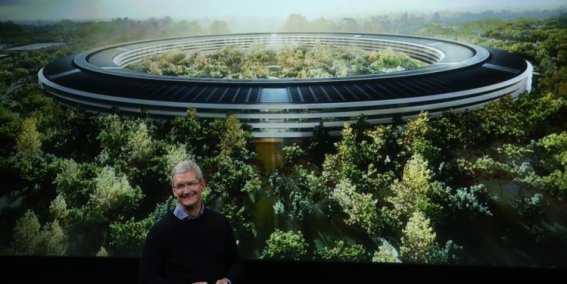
[367, 132]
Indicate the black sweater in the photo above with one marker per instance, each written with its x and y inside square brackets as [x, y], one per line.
[187, 251]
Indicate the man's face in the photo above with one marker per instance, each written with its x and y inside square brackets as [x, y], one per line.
[187, 189]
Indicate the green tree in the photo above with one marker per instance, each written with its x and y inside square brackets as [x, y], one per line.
[285, 246]
[417, 138]
[69, 133]
[74, 182]
[139, 145]
[292, 153]
[360, 208]
[336, 166]
[469, 202]
[386, 253]
[418, 239]
[173, 155]
[296, 192]
[127, 238]
[556, 145]
[411, 193]
[9, 123]
[113, 196]
[102, 252]
[113, 136]
[348, 25]
[54, 239]
[229, 161]
[365, 156]
[342, 251]
[219, 27]
[189, 131]
[323, 25]
[232, 185]
[127, 145]
[502, 118]
[28, 143]
[26, 236]
[532, 209]
[233, 139]
[451, 253]
[295, 23]
[58, 208]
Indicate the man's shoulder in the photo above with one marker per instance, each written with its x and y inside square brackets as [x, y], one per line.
[216, 215]
[217, 220]
[165, 222]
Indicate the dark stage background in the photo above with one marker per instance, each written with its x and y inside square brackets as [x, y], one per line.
[125, 270]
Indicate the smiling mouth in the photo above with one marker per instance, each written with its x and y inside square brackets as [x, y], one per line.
[188, 195]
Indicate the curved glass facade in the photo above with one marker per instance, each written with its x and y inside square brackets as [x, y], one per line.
[459, 77]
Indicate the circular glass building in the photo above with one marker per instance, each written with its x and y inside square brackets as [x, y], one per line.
[457, 77]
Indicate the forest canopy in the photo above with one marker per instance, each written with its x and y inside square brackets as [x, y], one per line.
[261, 62]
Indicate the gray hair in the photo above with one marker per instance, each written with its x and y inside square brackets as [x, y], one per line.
[186, 166]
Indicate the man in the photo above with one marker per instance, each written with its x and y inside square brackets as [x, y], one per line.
[194, 244]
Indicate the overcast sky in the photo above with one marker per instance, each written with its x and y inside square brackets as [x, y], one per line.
[222, 9]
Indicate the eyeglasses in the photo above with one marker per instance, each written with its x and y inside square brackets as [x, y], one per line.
[190, 185]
